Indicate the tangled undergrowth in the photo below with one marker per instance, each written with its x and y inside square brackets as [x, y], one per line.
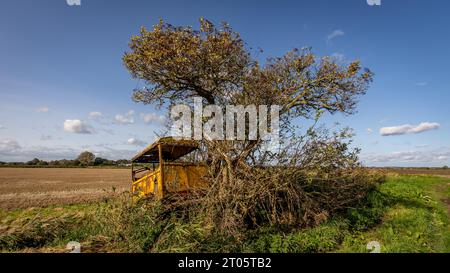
[285, 199]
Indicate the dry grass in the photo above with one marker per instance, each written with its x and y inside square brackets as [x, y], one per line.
[40, 187]
[424, 171]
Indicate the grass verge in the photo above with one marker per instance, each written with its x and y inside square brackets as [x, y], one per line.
[405, 214]
[416, 218]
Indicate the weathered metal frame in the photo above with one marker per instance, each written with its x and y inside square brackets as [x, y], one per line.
[158, 174]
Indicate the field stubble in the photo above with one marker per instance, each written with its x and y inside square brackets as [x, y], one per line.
[40, 187]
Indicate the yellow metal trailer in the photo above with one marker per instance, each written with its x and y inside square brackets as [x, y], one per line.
[156, 171]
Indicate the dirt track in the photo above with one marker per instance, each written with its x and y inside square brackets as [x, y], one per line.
[38, 187]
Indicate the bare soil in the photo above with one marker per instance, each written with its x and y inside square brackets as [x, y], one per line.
[41, 187]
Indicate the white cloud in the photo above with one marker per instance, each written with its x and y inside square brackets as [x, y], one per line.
[336, 33]
[95, 115]
[43, 109]
[109, 151]
[408, 129]
[369, 131]
[438, 157]
[77, 126]
[136, 142]
[17, 153]
[152, 117]
[8, 146]
[421, 83]
[126, 118]
[10, 150]
[2, 127]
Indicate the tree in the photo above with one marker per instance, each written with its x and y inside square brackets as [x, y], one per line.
[86, 158]
[99, 161]
[64, 162]
[42, 163]
[33, 162]
[178, 64]
[123, 162]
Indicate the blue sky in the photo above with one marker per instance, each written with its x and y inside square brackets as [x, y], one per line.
[61, 63]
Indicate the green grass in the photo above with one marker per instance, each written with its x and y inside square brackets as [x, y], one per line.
[323, 238]
[415, 218]
[405, 214]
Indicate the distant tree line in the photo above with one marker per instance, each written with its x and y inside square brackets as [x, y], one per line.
[85, 159]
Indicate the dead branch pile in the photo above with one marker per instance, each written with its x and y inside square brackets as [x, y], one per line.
[309, 182]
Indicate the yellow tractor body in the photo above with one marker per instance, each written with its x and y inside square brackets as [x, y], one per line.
[166, 175]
